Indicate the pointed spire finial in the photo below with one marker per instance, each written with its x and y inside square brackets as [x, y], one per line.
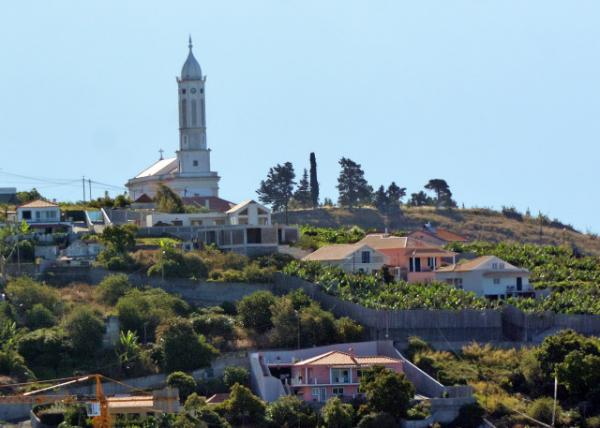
[190, 43]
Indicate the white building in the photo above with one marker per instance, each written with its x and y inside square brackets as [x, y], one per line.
[488, 276]
[42, 217]
[188, 173]
[349, 257]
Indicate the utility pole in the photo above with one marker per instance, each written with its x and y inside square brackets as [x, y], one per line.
[90, 186]
[83, 186]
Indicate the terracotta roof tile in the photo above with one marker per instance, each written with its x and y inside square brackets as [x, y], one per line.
[39, 203]
[339, 358]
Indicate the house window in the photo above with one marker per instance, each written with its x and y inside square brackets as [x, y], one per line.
[519, 284]
[340, 376]
[458, 283]
[316, 393]
[494, 265]
[51, 214]
[501, 266]
[496, 281]
[431, 262]
[366, 256]
[338, 391]
[38, 215]
[26, 215]
[195, 163]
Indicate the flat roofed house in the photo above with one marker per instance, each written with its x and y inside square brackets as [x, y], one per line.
[411, 260]
[349, 257]
[488, 276]
[334, 373]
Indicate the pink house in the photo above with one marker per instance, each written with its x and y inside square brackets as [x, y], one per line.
[334, 373]
[410, 259]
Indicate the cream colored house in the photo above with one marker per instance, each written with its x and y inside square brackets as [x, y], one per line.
[488, 276]
[249, 212]
[349, 257]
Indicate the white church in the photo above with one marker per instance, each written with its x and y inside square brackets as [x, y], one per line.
[188, 173]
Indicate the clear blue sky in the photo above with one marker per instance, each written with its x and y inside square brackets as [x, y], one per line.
[500, 98]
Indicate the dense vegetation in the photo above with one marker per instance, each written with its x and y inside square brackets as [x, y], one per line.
[48, 332]
[372, 291]
[509, 381]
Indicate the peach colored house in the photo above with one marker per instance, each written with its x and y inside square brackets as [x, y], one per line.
[410, 259]
[334, 373]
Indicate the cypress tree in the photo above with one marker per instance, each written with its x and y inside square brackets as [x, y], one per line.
[314, 183]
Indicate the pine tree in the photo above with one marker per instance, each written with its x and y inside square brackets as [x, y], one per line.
[277, 189]
[352, 185]
[394, 196]
[302, 194]
[442, 192]
[314, 182]
[380, 200]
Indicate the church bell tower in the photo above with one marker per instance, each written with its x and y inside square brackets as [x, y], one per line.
[193, 153]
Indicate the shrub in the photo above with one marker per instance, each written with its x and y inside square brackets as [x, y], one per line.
[25, 293]
[85, 329]
[336, 414]
[542, 408]
[44, 348]
[112, 288]
[254, 311]
[349, 330]
[182, 348]
[243, 407]
[39, 317]
[233, 375]
[415, 346]
[183, 382]
[231, 275]
[377, 420]
[214, 325]
[196, 267]
[290, 411]
[470, 415]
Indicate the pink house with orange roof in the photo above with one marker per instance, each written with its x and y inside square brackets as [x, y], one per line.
[334, 373]
[410, 259]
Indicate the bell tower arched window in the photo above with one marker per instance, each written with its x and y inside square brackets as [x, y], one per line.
[184, 113]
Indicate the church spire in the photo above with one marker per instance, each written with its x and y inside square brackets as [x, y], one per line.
[190, 42]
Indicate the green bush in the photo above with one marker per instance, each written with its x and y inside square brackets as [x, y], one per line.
[254, 311]
[183, 382]
[25, 293]
[44, 349]
[234, 374]
[85, 329]
[542, 409]
[112, 288]
[39, 316]
[182, 348]
[378, 420]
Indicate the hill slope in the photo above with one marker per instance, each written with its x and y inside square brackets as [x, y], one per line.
[476, 224]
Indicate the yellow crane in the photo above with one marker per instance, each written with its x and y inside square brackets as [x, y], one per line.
[100, 403]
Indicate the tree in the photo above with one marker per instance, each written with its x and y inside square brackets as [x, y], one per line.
[349, 330]
[302, 194]
[352, 186]
[234, 374]
[242, 407]
[381, 201]
[112, 288]
[336, 414]
[28, 196]
[183, 382]
[25, 293]
[285, 322]
[314, 182]
[86, 329]
[317, 327]
[39, 316]
[554, 349]
[277, 189]
[420, 199]
[120, 239]
[44, 348]
[182, 348]
[394, 196]
[254, 311]
[580, 373]
[442, 192]
[167, 201]
[128, 350]
[387, 391]
[290, 411]
[542, 410]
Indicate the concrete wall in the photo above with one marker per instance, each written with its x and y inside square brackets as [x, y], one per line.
[195, 292]
[431, 325]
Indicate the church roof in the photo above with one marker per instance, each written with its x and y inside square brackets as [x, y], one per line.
[191, 69]
[161, 167]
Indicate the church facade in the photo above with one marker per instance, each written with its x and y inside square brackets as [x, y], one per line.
[188, 173]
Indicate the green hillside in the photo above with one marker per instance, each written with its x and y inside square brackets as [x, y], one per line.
[474, 223]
